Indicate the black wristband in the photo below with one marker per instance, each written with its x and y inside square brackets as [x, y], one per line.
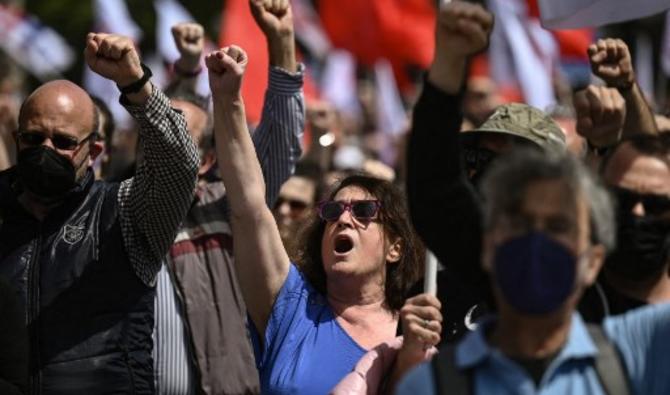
[139, 84]
[188, 74]
[627, 87]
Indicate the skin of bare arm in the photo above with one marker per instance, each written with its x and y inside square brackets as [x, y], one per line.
[260, 259]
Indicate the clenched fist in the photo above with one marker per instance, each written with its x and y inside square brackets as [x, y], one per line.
[190, 41]
[274, 17]
[463, 29]
[611, 61]
[226, 69]
[601, 112]
[113, 57]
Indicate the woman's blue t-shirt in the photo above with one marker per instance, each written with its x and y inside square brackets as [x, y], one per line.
[305, 350]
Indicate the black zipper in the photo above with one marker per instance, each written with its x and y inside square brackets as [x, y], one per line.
[33, 310]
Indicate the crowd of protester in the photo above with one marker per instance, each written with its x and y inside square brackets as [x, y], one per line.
[201, 254]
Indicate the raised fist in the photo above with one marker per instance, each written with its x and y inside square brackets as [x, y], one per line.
[611, 61]
[463, 29]
[190, 41]
[113, 57]
[274, 17]
[226, 69]
[601, 113]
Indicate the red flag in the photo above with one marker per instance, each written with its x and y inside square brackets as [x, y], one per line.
[401, 31]
[239, 28]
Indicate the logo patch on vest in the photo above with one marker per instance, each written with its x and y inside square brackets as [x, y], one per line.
[73, 233]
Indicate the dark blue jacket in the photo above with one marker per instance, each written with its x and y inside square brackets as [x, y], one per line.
[89, 316]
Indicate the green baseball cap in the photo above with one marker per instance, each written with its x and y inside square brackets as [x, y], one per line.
[523, 121]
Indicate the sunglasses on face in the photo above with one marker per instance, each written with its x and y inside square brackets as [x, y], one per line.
[294, 205]
[362, 210]
[59, 141]
[478, 158]
[654, 205]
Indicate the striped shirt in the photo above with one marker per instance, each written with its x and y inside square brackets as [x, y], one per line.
[173, 373]
[277, 140]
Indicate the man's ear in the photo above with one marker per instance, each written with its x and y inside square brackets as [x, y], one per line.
[594, 263]
[95, 149]
[208, 160]
[394, 252]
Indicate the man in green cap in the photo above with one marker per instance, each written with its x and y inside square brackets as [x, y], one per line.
[512, 124]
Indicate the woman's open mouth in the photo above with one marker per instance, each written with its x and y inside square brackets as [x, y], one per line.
[343, 244]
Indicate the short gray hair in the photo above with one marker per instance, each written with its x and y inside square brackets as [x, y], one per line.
[505, 183]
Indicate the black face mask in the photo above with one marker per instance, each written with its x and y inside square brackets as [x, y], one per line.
[46, 173]
[643, 247]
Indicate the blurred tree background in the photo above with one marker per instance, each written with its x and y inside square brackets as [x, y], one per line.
[73, 19]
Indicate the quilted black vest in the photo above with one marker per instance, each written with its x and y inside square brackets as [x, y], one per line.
[89, 317]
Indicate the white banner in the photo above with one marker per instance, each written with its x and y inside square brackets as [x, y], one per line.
[168, 14]
[574, 14]
[111, 16]
[36, 47]
[533, 52]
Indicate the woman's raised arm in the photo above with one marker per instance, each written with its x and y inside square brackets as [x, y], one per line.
[260, 259]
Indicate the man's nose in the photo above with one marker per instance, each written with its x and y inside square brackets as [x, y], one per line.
[638, 209]
[284, 208]
[48, 143]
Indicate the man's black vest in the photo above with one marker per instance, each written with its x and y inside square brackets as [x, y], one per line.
[89, 316]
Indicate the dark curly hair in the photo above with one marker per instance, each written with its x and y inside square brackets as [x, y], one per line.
[393, 216]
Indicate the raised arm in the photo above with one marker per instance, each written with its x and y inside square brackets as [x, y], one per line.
[444, 208]
[278, 136]
[261, 262]
[600, 113]
[611, 61]
[189, 38]
[153, 202]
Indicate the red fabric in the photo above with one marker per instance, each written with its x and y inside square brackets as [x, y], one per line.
[400, 30]
[574, 43]
[479, 66]
[205, 242]
[533, 9]
[238, 27]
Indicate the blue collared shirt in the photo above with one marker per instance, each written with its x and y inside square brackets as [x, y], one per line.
[642, 337]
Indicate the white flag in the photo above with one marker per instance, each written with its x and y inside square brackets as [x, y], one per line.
[36, 47]
[338, 83]
[533, 52]
[308, 29]
[168, 14]
[111, 16]
[392, 119]
[574, 14]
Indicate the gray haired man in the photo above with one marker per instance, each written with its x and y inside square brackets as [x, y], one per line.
[547, 227]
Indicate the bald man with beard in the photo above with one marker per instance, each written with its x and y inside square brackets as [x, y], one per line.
[82, 255]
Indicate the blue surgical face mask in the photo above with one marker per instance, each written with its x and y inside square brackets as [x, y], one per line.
[535, 274]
